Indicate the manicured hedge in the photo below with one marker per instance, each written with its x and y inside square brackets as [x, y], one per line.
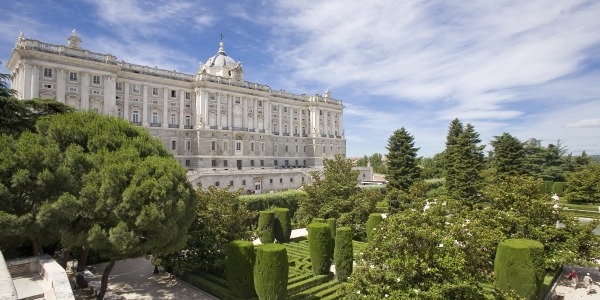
[332, 225]
[318, 220]
[559, 188]
[266, 231]
[343, 252]
[282, 225]
[519, 266]
[271, 272]
[320, 247]
[374, 220]
[240, 264]
[287, 199]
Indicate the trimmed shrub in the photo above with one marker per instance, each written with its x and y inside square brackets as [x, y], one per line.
[266, 232]
[283, 224]
[287, 199]
[318, 220]
[519, 266]
[271, 272]
[240, 264]
[342, 254]
[548, 187]
[559, 188]
[374, 220]
[332, 225]
[320, 247]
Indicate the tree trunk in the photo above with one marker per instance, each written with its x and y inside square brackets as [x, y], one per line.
[37, 246]
[104, 284]
[156, 271]
[81, 266]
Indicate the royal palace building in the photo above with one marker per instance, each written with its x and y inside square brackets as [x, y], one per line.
[226, 131]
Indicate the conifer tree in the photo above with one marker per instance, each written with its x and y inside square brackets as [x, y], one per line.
[509, 155]
[454, 131]
[403, 164]
[464, 163]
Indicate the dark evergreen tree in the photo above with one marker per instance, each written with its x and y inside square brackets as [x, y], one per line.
[449, 155]
[508, 155]
[403, 164]
[467, 161]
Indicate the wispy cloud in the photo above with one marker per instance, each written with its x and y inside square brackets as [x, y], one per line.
[490, 63]
[585, 123]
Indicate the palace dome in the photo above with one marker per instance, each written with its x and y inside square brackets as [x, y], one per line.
[217, 64]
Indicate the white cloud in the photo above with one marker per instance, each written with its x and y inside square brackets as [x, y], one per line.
[500, 64]
[585, 123]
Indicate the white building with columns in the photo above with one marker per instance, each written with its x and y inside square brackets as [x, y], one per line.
[225, 130]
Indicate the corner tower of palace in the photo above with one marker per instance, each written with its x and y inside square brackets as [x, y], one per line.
[226, 131]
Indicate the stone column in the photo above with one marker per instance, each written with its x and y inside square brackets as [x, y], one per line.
[218, 98]
[280, 115]
[267, 117]
[85, 91]
[198, 115]
[166, 120]
[35, 82]
[145, 111]
[181, 119]
[27, 83]
[230, 113]
[244, 103]
[255, 102]
[61, 85]
[110, 94]
[126, 115]
[314, 120]
[291, 128]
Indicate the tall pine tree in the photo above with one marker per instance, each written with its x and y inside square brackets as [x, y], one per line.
[464, 162]
[509, 155]
[403, 164]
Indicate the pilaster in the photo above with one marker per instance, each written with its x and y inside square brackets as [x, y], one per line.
[110, 95]
[85, 91]
[27, 84]
[126, 101]
[61, 85]
[35, 82]
[181, 107]
[145, 111]
[165, 117]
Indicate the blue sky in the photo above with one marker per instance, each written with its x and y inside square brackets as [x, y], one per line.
[529, 68]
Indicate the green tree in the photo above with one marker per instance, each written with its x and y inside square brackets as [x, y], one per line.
[584, 185]
[339, 183]
[403, 164]
[21, 115]
[464, 162]
[5, 90]
[363, 161]
[376, 161]
[132, 196]
[36, 188]
[508, 155]
[432, 167]
[221, 218]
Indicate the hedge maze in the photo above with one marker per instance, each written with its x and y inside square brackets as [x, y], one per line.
[301, 283]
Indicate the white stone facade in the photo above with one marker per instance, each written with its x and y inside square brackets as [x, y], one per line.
[214, 122]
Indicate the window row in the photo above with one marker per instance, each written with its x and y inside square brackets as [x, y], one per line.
[73, 76]
[135, 88]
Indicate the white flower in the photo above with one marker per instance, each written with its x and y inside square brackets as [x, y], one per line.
[358, 292]
[398, 279]
[441, 245]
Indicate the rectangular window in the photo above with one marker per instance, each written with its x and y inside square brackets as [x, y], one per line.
[188, 121]
[96, 80]
[275, 162]
[120, 112]
[238, 146]
[47, 85]
[237, 100]
[252, 162]
[188, 95]
[96, 92]
[251, 146]
[214, 162]
[135, 116]
[225, 163]
[155, 91]
[187, 163]
[188, 145]
[47, 72]
[135, 99]
[173, 145]
[173, 93]
[213, 145]
[262, 163]
[119, 86]
[286, 148]
[231, 183]
[73, 76]
[271, 180]
[73, 89]
[136, 88]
